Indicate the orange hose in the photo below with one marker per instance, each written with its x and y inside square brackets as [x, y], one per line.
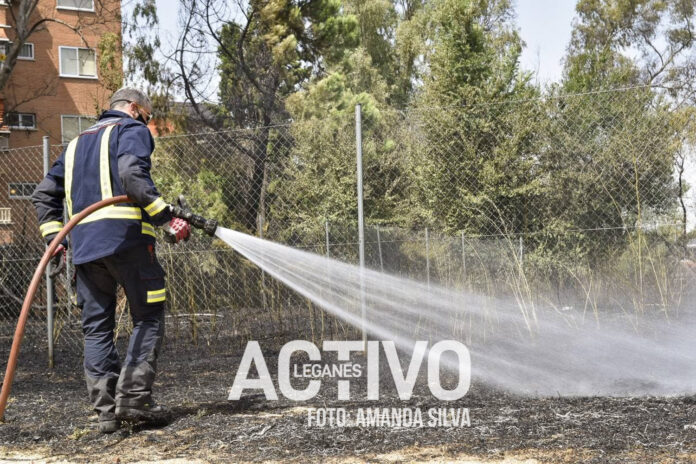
[33, 286]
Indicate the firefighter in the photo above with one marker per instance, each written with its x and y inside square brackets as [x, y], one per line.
[114, 245]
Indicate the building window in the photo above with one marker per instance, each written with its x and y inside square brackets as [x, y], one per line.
[25, 53]
[82, 5]
[72, 126]
[21, 190]
[21, 120]
[78, 62]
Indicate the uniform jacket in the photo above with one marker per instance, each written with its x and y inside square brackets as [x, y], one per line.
[109, 159]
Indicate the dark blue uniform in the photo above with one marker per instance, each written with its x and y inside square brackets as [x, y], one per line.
[109, 159]
[114, 245]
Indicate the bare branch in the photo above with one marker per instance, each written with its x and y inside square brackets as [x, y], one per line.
[657, 52]
[75, 29]
[187, 85]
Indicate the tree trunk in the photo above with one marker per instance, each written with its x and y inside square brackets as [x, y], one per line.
[255, 205]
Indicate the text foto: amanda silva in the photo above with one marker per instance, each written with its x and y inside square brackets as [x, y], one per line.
[388, 417]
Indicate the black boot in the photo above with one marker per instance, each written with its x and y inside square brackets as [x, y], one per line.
[101, 392]
[134, 401]
[150, 413]
[109, 424]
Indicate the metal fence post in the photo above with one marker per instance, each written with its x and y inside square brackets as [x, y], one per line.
[361, 218]
[259, 223]
[463, 257]
[330, 288]
[427, 256]
[326, 233]
[379, 250]
[49, 280]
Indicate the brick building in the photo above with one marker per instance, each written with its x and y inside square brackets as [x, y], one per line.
[56, 89]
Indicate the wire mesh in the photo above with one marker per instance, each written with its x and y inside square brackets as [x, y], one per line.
[560, 200]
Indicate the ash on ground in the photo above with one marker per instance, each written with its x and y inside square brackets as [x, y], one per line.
[49, 420]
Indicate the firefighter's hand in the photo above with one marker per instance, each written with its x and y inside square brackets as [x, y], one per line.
[57, 262]
[177, 230]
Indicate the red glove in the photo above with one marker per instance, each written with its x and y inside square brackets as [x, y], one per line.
[177, 230]
[57, 262]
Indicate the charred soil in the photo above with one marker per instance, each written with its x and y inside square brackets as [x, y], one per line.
[49, 420]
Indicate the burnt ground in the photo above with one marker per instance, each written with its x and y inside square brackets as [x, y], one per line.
[49, 420]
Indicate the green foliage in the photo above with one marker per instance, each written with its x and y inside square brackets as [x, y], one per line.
[265, 59]
[616, 163]
[466, 166]
[204, 185]
[465, 58]
[325, 147]
[277, 48]
[481, 150]
[473, 51]
[110, 63]
[608, 33]
[143, 42]
[455, 136]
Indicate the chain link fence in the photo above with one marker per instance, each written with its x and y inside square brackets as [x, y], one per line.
[21, 248]
[568, 201]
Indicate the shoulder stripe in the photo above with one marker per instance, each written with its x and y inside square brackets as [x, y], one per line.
[69, 163]
[104, 159]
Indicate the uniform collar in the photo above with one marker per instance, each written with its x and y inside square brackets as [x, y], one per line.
[114, 114]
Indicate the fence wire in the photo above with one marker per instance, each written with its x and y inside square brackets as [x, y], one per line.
[567, 201]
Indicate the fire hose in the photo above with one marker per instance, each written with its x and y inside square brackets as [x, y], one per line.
[181, 211]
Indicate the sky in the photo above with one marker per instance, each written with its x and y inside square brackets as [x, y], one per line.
[544, 25]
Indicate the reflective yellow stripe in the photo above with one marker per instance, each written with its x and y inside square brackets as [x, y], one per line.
[48, 228]
[148, 229]
[104, 171]
[114, 212]
[155, 296]
[69, 162]
[155, 207]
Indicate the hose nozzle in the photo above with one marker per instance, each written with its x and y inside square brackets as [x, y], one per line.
[209, 226]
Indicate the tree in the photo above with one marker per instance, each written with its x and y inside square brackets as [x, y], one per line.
[608, 33]
[437, 164]
[323, 111]
[141, 43]
[265, 51]
[319, 180]
[476, 154]
[380, 23]
[616, 161]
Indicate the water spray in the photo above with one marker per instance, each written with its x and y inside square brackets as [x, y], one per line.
[556, 353]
